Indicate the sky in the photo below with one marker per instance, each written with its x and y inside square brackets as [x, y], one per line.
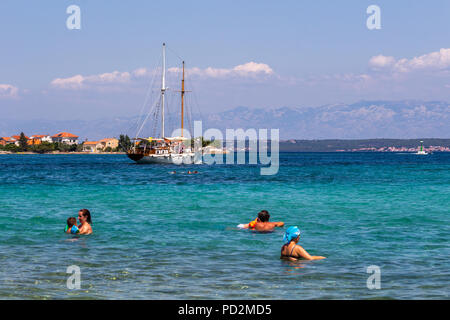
[259, 54]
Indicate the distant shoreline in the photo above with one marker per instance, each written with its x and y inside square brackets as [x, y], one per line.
[281, 151]
[62, 153]
[431, 145]
[365, 145]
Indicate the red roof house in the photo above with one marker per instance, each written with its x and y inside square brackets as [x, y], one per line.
[65, 137]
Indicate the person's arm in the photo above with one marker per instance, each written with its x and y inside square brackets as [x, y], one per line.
[305, 255]
[279, 224]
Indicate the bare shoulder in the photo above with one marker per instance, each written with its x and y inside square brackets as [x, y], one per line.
[299, 251]
[86, 229]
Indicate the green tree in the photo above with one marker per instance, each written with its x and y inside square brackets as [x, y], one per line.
[206, 143]
[62, 147]
[44, 147]
[73, 147]
[203, 140]
[12, 148]
[23, 142]
[124, 143]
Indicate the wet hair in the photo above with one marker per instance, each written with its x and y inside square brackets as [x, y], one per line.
[264, 216]
[87, 214]
[71, 221]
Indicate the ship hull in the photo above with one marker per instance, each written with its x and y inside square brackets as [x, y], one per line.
[178, 159]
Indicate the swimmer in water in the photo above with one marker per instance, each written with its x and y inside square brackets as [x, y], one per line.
[262, 223]
[84, 216]
[72, 226]
[173, 172]
[291, 250]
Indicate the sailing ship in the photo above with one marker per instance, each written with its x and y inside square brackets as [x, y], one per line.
[421, 150]
[166, 150]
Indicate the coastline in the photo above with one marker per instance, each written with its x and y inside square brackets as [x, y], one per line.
[217, 153]
[61, 153]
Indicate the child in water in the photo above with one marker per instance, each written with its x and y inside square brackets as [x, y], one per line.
[71, 226]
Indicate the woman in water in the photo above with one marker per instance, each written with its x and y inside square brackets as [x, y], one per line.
[291, 250]
[84, 216]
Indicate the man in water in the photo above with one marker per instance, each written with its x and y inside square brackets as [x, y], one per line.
[262, 223]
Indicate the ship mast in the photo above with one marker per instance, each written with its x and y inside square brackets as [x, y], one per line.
[163, 88]
[182, 103]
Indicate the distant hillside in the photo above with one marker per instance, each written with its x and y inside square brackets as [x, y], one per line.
[340, 145]
[362, 120]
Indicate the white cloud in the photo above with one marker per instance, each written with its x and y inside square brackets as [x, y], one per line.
[8, 91]
[248, 69]
[113, 77]
[439, 60]
[253, 68]
[74, 82]
[141, 72]
[80, 82]
[381, 61]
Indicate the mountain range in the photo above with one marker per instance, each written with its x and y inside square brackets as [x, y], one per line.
[361, 120]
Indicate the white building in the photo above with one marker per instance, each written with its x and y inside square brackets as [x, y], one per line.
[92, 146]
[42, 138]
[65, 137]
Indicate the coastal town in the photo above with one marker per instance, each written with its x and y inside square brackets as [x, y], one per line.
[66, 142]
[62, 142]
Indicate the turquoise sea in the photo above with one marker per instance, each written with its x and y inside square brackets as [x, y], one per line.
[173, 236]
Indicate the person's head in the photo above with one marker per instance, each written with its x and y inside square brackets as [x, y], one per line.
[71, 222]
[291, 234]
[84, 216]
[263, 216]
